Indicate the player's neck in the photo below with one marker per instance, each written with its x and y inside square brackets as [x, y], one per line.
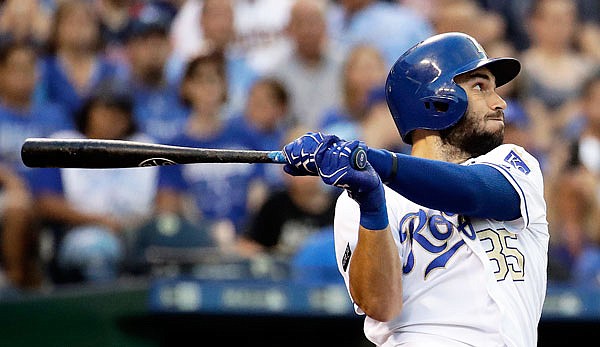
[428, 144]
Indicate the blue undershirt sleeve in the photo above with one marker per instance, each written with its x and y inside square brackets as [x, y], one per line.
[475, 190]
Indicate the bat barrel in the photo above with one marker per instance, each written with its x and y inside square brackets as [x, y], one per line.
[75, 153]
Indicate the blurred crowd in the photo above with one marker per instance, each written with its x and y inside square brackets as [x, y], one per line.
[255, 74]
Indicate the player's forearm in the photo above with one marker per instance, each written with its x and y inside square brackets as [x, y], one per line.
[476, 190]
[376, 274]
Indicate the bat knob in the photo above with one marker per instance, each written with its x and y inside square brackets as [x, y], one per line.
[359, 158]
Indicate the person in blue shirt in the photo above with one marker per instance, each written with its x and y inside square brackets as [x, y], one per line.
[21, 116]
[220, 192]
[75, 62]
[157, 107]
[264, 122]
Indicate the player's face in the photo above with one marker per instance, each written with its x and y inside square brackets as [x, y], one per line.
[482, 127]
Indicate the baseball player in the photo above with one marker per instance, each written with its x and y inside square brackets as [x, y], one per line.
[447, 246]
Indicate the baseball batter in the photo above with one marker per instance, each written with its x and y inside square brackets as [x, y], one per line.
[447, 246]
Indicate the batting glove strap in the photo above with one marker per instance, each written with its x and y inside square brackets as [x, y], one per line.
[373, 209]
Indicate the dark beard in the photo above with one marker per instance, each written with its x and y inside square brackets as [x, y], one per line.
[469, 138]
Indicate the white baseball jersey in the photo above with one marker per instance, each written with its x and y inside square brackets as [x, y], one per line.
[466, 281]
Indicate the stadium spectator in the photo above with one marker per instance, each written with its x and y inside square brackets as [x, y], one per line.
[26, 20]
[217, 23]
[312, 70]
[514, 14]
[219, 191]
[21, 116]
[157, 107]
[264, 124]
[20, 265]
[259, 31]
[186, 34]
[391, 27]
[264, 120]
[521, 127]
[469, 17]
[377, 129]
[287, 217]
[364, 71]
[300, 207]
[588, 41]
[552, 49]
[75, 62]
[115, 18]
[575, 203]
[91, 211]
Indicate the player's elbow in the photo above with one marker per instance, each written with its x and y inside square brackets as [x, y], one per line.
[382, 308]
[384, 312]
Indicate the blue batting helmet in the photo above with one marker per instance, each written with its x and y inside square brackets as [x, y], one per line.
[420, 88]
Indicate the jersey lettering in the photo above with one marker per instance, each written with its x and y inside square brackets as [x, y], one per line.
[440, 261]
[432, 233]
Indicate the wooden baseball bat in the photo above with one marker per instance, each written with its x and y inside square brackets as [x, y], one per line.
[106, 154]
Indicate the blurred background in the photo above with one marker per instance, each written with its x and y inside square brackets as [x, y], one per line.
[239, 253]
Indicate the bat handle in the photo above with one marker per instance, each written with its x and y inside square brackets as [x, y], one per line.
[359, 158]
[277, 157]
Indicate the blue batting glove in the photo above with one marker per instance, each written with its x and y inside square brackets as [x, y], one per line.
[300, 154]
[334, 162]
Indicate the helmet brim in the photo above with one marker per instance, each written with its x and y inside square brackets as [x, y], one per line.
[503, 69]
